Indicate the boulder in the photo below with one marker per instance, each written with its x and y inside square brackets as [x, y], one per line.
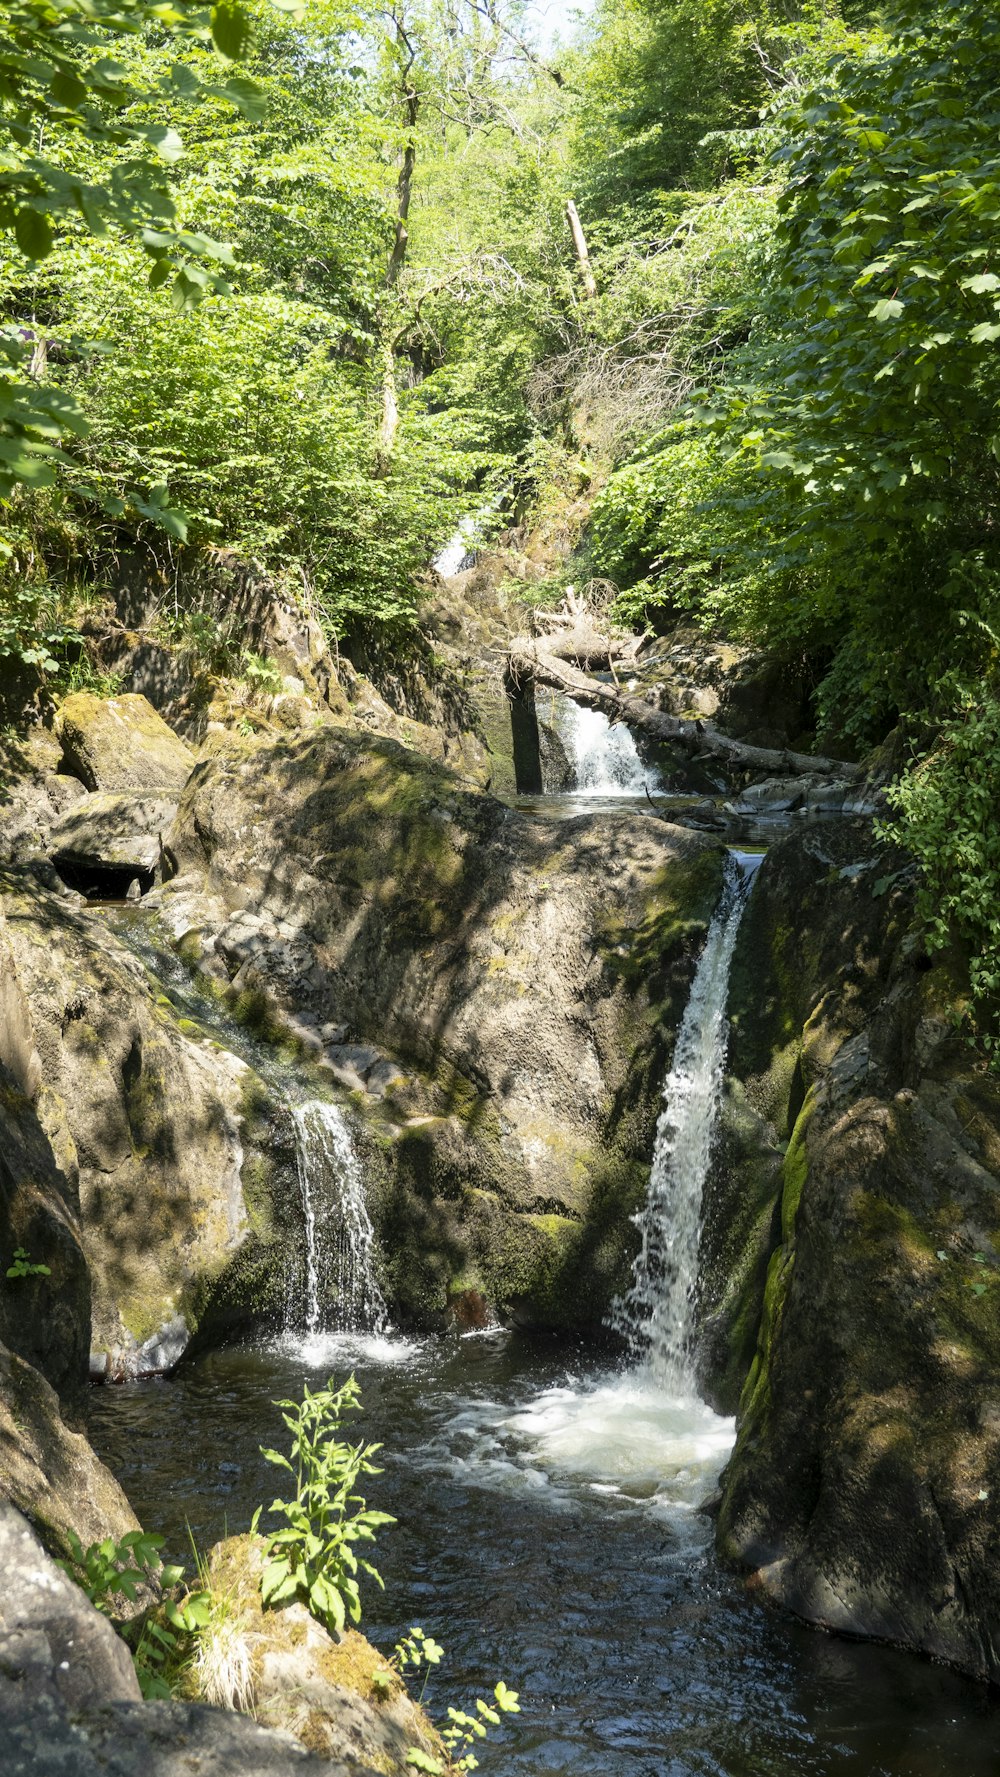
[120, 743]
[106, 830]
[34, 792]
[50, 1472]
[174, 1161]
[524, 975]
[862, 1489]
[70, 1702]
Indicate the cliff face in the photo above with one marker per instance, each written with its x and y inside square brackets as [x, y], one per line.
[862, 1488]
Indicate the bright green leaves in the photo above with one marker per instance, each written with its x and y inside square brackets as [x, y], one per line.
[313, 1556]
[230, 29]
[888, 309]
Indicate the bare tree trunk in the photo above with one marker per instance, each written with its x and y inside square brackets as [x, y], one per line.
[529, 662]
[390, 405]
[580, 247]
[397, 258]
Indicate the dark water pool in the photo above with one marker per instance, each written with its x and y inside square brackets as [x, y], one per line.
[547, 1535]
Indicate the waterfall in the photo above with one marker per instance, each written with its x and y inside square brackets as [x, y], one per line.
[657, 1315]
[602, 755]
[340, 1239]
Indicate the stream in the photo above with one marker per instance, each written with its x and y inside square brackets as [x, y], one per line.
[550, 1529]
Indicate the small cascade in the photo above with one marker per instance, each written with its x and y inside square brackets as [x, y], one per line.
[340, 1239]
[602, 755]
[657, 1315]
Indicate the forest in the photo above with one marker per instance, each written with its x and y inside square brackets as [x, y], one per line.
[499, 884]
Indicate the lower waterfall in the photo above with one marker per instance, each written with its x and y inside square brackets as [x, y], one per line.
[341, 1289]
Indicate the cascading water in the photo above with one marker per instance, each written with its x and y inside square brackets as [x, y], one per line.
[340, 1239]
[657, 1315]
[645, 1432]
[602, 755]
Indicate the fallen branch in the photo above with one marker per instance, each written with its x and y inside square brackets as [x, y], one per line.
[529, 661]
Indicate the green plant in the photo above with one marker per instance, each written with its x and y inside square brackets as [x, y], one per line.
[462, 1733]
[313, 1557]
[23, 1267]
[108, 1571]
[415, 1650]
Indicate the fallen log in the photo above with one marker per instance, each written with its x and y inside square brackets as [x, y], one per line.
[528, 661]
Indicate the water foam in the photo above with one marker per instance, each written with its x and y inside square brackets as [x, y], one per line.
[602, 755]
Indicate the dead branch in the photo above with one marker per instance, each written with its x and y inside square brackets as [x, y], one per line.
[529, 660]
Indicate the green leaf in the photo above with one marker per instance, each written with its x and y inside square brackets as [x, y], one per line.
[230, 29]
[889, 309]
[33, 233]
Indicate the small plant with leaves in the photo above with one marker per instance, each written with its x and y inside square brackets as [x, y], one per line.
[464, 1730]
[110, 1571]
[415, 1650]
[313, 1556]
[24, 1266]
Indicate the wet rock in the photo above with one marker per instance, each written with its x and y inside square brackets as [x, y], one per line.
[49, 1471]
[862, 1490]
[177, 1161]
[120, 743]
[521, 977]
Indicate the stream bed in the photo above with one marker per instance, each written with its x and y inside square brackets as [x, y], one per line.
[548, 1534]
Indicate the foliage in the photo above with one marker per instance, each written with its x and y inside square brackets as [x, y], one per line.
[23, 1266]
[415, 1650]
[111, 1571]
[464, 1729]
[947, 807]
[313, 1556]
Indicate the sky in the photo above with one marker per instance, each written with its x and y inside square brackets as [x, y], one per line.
[556, 18]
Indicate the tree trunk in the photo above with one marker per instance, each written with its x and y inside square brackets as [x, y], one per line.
[580, 247]
[530, 662]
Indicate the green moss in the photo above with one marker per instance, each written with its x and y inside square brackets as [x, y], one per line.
[796, 1170]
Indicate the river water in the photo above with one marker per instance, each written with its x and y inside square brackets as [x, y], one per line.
[548, 1535]
[550, 1529]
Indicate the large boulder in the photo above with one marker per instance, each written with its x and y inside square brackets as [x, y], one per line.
[108, 838]
[525, 975]
[176, 1160]
[48, 1470]
[70, 1701]
[862, 1490]
[120, 743]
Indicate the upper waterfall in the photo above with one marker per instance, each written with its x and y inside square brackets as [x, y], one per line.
[657, 1314]
[602, 755]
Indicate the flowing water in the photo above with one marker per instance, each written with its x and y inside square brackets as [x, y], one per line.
[549, 1524]
[340, 1278]
[657, 1316]
[602, 755]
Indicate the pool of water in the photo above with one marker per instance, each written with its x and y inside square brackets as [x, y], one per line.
[549, 1534]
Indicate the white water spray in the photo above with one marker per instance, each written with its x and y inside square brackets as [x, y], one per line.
[657, 1315]
[340, 1239]
[602, 755]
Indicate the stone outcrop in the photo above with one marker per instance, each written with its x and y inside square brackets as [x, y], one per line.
[70, 1701]
[120, 743]
[862, 1490]
[157, 1155]
[525, 976]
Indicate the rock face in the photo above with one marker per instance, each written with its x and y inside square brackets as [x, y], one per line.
[50, 1472]
[863, 1485]
[120, 743]
[70, 1702]
[524, 975]
[163, 1150]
